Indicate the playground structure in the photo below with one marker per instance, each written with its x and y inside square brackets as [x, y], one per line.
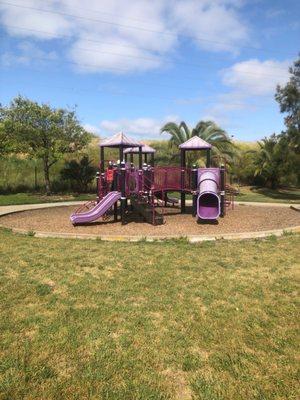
[144, 189]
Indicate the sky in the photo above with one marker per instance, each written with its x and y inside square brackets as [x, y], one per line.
[133, 65]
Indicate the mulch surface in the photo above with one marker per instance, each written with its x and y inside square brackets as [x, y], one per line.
[242, 219]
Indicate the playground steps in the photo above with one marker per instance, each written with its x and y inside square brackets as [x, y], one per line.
[146, 210]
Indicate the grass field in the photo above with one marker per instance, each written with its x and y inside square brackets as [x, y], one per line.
[97, 320]
[268, 195]
[246, 194]
[37, 198]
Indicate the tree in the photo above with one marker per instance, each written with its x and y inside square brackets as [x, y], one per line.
[269, 160]
[80, 174]
[44, 132]
[206, 130]
[243, 165]
[7, 144]
[4, 140]
[288, 98]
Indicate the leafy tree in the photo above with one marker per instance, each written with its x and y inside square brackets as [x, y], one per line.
[289, 168]
[288, 98]
[206, 130]
[7, 143]
[80, 174]
[44, 132]
[268, 161]
[165, 154]
[243, 165]
[4, 140]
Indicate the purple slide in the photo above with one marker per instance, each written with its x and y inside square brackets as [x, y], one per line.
[208, 202]
[96, 212]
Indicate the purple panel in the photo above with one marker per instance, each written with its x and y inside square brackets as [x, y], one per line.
[132, 181]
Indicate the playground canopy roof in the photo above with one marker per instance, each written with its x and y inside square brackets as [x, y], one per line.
[145, 150]
[195, 143]
[120, 140]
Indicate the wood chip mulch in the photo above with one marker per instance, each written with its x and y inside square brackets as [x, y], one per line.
[243, 218]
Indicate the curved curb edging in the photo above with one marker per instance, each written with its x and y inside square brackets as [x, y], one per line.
[138, 238]
[5, 210]
[189, 238]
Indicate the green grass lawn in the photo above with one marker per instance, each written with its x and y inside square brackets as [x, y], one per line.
[246, 194]
[101, 320]
[268, 195]
[36, 198]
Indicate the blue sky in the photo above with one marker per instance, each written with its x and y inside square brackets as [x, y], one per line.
[134, 65]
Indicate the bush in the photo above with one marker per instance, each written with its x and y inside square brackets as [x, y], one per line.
[79, 174]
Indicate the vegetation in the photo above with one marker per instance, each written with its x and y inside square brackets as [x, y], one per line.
[288, 98]
[37, 198]
[37, 140]
[6, 143]
[148, 320]
[43, 132]
[206, 130]
[266, 195]
[278, 158]
[79, 173]
[268, 161]
[246, 193]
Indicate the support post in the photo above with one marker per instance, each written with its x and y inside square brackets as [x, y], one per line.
[146, 158]
[131, 158]
[208, 160]
[147, 180]
[121, 155]
[152, 160]
[101, 159]
[222, 193]
[123, 192]
[125, 157]
[115, 187]
[182, 195]
[140, 158]
[97, 186]
[194, 188]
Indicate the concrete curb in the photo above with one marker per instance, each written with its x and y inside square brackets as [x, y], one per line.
[4, 210]
[137, 238]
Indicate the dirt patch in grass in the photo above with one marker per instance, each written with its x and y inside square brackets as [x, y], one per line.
[242, 219]
[178, 381]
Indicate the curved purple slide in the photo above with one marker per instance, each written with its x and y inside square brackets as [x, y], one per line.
[208, 202]
[96, 212]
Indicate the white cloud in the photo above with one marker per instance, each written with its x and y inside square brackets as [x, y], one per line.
[214, 25]
[256, 78]
[251, 84]
[24, 53]
[139, 127]
[132, 38]
[91, 128]
[13, 17]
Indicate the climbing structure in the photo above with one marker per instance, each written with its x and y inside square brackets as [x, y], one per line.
[144, 189]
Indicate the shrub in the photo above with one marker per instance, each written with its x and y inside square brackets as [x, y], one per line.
[79, 173]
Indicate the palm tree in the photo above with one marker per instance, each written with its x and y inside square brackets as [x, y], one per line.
[268, 161]
[206, 130]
